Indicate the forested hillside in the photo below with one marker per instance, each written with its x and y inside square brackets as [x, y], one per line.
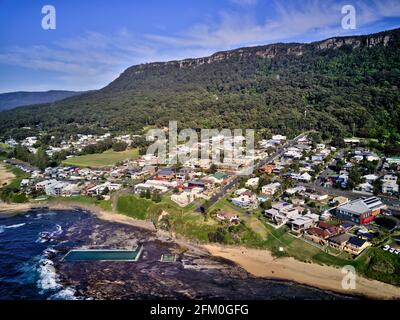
[336, 86]
[11, 100]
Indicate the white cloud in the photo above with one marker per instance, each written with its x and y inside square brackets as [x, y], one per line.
[94, 59]
[290, 19]
[244, 2]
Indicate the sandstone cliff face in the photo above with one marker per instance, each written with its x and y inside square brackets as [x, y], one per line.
[271, 51]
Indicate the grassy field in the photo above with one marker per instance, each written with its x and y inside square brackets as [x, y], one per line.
[103, 204]
[19, 176]
[133, 206]
[4, 146]
[180, 220]
[250, 220]
[106, 158]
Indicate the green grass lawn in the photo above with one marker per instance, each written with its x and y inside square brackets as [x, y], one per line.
[106, 158]
[103, 204]
[4, 147]
[133, 206]
[250, 220]
[19, 175]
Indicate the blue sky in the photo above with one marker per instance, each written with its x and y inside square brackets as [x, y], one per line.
[95, 40]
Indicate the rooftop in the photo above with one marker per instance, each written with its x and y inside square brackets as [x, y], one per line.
[359, 206]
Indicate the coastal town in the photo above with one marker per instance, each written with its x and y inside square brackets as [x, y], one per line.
[340, 198]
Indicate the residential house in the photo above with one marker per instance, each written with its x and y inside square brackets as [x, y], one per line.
[370, 178]
[149, 170]
[268, 168]
[294, 153]
[186, 197]
[24, 183]
[270, 189]
[365, 187]
[389, 177]
[217, 178]
[389, 184]
[71, 190]
[316, 235]
[321, 233]
[390, 187]
[279, 138]
[293, 191]
[41, 186]
[339, 242]
[196, 184]
[143, 187]
[184, 173]
[303, 140]
[228, 216]
[300, 224]
[281, 213]
[316, 196]
[247, 200]
[165, 174]
[238, 192]
[253, 182]
[356, 245]
[339, 200]
[56, 188]
[101, 188]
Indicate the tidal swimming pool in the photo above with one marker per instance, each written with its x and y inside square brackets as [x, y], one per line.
[103, 255]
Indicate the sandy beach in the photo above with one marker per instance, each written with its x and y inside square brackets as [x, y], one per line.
[6, 176]
[102, 214]
[261, 263]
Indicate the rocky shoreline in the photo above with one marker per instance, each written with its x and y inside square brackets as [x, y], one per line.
[259, 264]
[194, 275]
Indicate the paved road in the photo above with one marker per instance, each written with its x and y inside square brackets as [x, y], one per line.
[279, 152]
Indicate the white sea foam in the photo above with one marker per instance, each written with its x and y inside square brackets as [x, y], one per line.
[14, 226]
[48, 278]
[47, 214]
[64, 294]
[46, 236]
[57, 232]
[49, 281]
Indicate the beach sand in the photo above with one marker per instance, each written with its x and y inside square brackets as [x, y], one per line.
[261, 263]
[104, 215]
[6, 176]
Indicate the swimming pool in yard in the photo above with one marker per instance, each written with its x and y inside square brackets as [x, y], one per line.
[103, 255]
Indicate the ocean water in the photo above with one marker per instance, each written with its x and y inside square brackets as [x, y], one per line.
[32, 247]
[27, 243]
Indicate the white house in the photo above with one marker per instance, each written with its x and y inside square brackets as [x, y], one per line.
[253, 182]
[279, 137]
[227, 216]
[365, 187]
[247, 200]
[390, 187]
[389, 177]
[270, 189]
[370, 178]
[298, 189]
[305, 177]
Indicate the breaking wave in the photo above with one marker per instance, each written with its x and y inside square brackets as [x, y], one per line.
[49, 280]
[14, 226]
